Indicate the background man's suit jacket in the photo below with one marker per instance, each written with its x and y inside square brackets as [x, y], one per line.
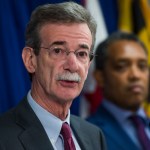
[20, 129]
[116, 137]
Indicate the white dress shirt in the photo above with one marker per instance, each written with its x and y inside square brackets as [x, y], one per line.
[51, 124]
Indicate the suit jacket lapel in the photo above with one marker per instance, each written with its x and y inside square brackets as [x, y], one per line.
[110, 125]
[32, 139]
[33, 135]
[81, 137]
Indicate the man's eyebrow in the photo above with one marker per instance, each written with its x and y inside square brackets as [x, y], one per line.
[58, 43]
[84, 46]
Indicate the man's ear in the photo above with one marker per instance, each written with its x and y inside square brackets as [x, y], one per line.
[29, 59]
[98, 75]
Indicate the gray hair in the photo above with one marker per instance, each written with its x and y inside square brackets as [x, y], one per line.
[61, 13]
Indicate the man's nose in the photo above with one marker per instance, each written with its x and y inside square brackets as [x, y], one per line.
[135, 72]
[71, 62]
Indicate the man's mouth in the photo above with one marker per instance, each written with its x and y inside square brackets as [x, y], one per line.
[67, 83]
[136, 88]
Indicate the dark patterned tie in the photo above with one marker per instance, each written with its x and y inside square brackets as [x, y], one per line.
[140, 126]
[68, 141]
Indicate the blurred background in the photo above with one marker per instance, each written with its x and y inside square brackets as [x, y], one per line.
[111, 15]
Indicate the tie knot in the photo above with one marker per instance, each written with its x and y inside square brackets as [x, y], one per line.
[68, 141]
[137, 120]
[66, 131]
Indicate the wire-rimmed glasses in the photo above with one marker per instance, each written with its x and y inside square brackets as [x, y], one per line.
[59, 52]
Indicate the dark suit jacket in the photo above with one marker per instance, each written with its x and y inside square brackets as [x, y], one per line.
[116, 137]
[20, 129]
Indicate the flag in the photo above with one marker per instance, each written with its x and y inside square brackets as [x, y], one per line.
[134, 18]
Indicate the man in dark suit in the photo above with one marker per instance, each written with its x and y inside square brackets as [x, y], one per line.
[122, 72]
[57, 55]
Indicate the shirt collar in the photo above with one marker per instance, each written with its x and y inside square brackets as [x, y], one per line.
[121, 114]
[51, 123]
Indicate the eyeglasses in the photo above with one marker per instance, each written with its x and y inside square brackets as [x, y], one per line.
[59, 52]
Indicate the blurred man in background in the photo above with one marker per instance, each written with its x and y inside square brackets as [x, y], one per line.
[122, 71]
